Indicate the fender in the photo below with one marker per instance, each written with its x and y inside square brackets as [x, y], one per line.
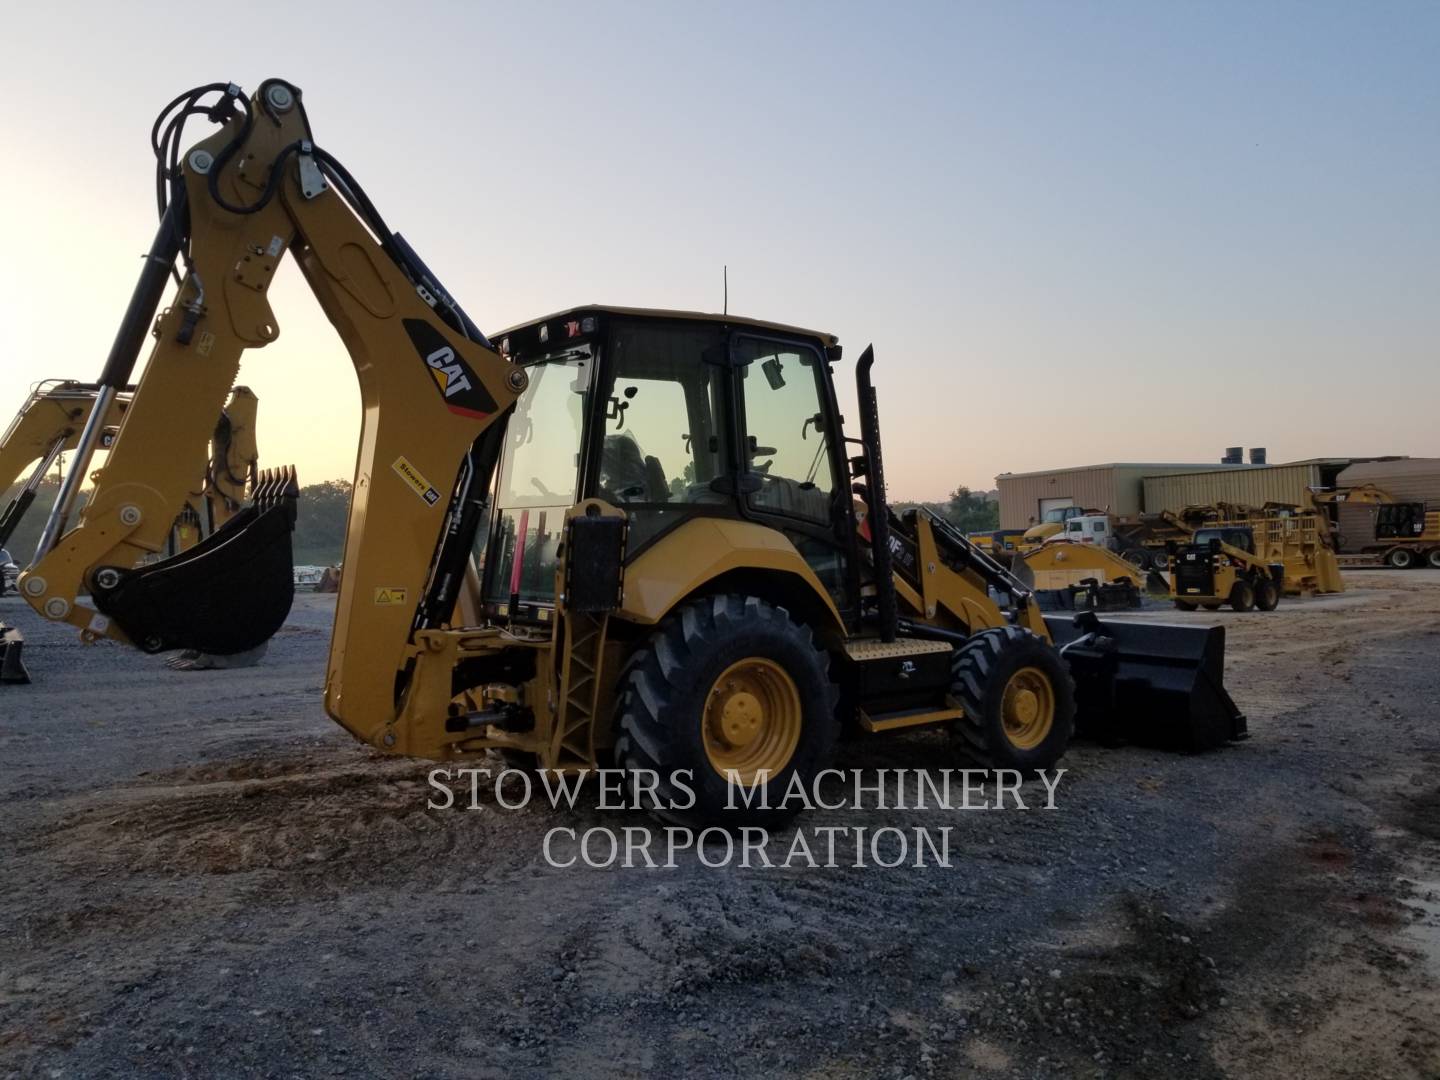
[684, 561]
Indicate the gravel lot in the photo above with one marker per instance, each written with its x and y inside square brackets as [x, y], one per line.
[203, 876]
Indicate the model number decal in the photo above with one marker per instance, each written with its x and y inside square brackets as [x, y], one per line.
[415, 480]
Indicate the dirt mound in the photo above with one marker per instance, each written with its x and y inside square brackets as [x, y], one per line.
[362, 820]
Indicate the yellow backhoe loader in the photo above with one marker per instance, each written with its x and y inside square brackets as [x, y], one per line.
[50, 423]
[673, 576]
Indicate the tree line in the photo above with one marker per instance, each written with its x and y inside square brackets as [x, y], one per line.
[969, 511]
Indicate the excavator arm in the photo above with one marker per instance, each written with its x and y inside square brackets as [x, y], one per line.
[432, 390]
[48, 424]
[51, 422]
[234, 464]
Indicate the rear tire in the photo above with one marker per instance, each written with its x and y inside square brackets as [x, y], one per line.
[1186, 605]
[1160, 562]
[1433, 558]
[1018, 697]
[1242, 596]
[1267, 595]
[1400, 558]
[1137, 557]
[729, 681]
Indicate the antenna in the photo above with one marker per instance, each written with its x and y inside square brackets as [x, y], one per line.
[725, 278]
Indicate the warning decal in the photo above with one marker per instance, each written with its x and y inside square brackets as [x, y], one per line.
[415, 481]
[389, 597]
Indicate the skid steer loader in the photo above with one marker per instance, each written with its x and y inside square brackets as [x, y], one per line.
[651, 515]
[1220, 566]
[50, 422]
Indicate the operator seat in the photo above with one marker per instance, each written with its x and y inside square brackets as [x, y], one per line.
[627, 475]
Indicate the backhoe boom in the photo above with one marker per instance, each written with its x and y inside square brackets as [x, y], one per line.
[242, 199]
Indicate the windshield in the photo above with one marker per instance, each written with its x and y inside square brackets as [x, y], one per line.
[1236, 538]
[537, 479]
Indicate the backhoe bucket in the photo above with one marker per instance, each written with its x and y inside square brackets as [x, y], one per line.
[12, 668]
[227, 594]
[1148, 683]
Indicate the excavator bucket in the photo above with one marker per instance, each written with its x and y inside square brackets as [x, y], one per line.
[1148, 683]
[12, 668]
[226, 595]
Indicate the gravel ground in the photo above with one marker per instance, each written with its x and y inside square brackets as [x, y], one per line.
[203, 876]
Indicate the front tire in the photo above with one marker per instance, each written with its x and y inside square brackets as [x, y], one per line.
[1267, 595]
[727, 683]
[1242, 596]
[1018, 697]
[1433, 558]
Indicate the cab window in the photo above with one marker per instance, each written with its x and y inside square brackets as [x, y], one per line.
[787, 438]
[537, 479]
[662, 435]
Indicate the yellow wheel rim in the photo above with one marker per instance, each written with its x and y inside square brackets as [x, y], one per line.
[1028, 708]
[753, 717]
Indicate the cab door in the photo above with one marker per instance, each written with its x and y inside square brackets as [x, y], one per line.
[793, 475]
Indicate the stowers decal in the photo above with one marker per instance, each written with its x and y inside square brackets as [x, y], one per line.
[414, 480]
[458, 383]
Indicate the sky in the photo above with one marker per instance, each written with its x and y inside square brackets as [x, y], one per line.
[1075, 232]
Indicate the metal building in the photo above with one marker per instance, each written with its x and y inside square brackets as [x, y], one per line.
[1117, 487]
[1250, 485]
[1126, 489]
[1406, 479]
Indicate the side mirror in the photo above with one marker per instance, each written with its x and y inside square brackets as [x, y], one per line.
[774, 375]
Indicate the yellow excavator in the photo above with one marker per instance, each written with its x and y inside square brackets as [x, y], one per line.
[609, 534]
[50, 422]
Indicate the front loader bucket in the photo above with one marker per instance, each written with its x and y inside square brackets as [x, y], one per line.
[227, 594]
[12, 668]
[1149, 683]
